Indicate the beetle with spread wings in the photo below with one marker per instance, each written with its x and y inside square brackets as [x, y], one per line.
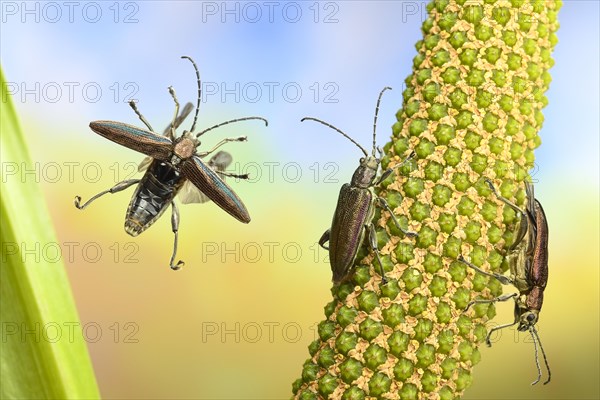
[173, 166]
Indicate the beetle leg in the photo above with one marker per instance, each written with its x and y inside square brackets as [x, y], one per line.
[386, 206]
[389, 171]
[174, 96]
[175, 227]
[324, 239]
[238, 176]
[504, 297]
[117, 188]
[497, 328]
[523, 227]
[139, 114]
[373, 245]
[384, 175]
[187, 109]
[505, 200]
[221, 143]
[505, 280]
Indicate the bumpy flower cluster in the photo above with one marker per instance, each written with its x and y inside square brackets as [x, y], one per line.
[471, 110]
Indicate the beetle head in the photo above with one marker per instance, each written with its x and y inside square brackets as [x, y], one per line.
[190, 136]
[370, 162]
[365, 174]
[527, 319]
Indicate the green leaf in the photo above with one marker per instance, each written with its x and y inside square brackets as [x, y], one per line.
[40, 356]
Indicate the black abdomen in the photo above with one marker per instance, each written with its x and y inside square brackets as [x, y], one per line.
[153, 195]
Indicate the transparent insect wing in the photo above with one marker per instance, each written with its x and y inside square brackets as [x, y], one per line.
[189, 194]
[145, 164]
[187, 109]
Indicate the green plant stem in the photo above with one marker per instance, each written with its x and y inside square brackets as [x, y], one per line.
[471, 111]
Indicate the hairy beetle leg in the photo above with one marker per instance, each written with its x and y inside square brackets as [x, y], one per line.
[231, 175]
[504, 199]
[221, 143]
[386, 206]
[504, 297]
[505, 280]
[187, 109]
[373, 245]
[497, 328]
[139, 114]
[117, 188]
[175, 227]
[171, 134]
[389, 171]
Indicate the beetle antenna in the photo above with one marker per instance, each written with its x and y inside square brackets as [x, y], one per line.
[232, 121]
[338, 130]
[199, 92]
[375, 119]
[537, 361]
[534, 333]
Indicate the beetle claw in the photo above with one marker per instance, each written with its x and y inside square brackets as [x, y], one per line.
[468, 306]
[178, 266]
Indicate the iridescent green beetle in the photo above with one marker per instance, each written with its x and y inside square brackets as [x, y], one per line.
[355, 209]
[527, 259]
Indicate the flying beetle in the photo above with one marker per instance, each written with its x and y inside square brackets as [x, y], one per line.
[353, 215]
[527, 259]
[173, 164]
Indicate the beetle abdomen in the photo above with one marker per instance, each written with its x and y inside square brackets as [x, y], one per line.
[154, 194]
[354, 209]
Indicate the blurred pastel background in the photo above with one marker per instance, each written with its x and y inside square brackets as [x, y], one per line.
[227, 328]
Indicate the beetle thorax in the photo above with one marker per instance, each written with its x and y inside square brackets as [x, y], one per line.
[365, 174]
[185, 147]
